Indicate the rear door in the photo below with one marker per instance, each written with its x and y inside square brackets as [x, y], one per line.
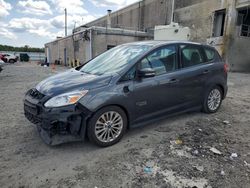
[194, 71]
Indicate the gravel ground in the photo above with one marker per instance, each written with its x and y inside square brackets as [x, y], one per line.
[172, 153]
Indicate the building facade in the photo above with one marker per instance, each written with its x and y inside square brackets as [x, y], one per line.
[224, 24]
[87, 43]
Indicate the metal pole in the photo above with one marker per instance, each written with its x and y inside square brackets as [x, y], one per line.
[65, 10]
[172, 15]
[90, 45]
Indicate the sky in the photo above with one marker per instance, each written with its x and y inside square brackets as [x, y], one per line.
[36, 22]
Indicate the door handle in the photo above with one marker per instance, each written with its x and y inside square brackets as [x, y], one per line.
[173, 81]
[205, 72]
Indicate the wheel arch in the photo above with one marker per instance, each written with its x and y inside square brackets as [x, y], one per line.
[89, 131]
[219, 83]
[221, 87]
[107, 105]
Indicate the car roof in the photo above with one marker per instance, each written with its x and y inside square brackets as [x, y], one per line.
[155, 43]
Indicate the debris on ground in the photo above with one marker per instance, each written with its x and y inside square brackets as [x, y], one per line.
[178, 142]
[233, 155]
[173, 153]
[226, 122]
[247, 164]
[215, 151]
[148, 170]
[222, 173]
[199, 168]
[196, 152]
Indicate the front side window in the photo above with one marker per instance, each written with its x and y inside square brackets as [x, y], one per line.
[130, 75]
[162, 60]
[191, 55]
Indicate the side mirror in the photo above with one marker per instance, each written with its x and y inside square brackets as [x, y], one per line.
[146, 73]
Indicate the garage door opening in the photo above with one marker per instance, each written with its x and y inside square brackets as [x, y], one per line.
[244, 22]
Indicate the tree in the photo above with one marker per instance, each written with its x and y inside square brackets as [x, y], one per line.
[26, 48]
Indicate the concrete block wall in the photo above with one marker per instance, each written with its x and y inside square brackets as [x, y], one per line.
[238, 54]
[106, 40]
[56, 50]
[198, 17]
[139, 16]
[100, 41]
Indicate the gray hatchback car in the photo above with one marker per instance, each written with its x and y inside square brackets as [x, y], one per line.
[127, 86]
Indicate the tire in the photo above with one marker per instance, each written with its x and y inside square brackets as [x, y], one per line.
[12, 61]
[212, 100]
[107, 126]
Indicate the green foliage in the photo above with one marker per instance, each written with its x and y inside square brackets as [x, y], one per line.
[26, 48]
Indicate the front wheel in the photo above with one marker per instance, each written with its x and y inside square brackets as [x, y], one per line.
[107, 126]
[212, 100]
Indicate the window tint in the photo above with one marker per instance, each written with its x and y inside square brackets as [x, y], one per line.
[162, 60]
[130, 75]
[210, 54]
[191, 55]
[145, 63]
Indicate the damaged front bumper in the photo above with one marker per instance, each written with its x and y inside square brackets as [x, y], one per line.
[57, 125]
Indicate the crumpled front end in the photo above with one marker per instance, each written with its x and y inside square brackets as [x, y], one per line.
[55, 125]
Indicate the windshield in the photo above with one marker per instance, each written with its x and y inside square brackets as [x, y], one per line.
[114, 59]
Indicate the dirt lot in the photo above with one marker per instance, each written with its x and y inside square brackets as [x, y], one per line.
[171, 153]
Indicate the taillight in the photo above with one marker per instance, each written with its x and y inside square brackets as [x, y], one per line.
[226, 67]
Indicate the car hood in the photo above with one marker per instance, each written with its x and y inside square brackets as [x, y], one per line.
[71, 80]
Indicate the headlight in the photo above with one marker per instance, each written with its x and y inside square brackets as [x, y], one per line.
[65, 99]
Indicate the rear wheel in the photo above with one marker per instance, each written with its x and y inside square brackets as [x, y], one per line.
[212, 100]
[107, 126]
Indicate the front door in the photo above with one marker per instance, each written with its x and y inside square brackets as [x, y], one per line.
[156, 95]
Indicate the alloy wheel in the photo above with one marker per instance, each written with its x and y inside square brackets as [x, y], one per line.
[108, 126]
[214, 99]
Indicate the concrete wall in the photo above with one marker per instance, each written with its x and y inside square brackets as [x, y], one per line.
[238, 47]
[198, 15]
[56, 50]
[238, 54]
[141, 16]
[100, 39]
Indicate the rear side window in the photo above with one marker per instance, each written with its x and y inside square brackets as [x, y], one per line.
[211, 54]
[191, 55]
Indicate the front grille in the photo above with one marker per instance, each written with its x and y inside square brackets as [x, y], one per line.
[32, 118]
[31, 113]
[35, 94]
[31, 109]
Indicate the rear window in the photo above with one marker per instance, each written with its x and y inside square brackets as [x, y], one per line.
[212, 54]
